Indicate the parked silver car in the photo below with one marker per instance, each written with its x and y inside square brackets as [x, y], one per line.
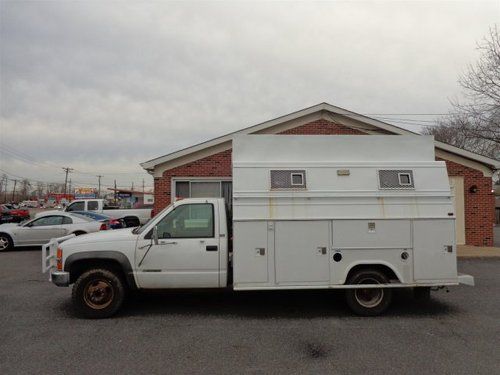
[43, 228]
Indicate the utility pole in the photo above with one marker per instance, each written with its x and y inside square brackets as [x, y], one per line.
[142, 186]
[6, 186]
[69, 186]
[99, 184]
[14, 191]
[131, 190]
[67, 170]
[115, 192]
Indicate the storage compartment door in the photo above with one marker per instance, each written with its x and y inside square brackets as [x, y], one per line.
[250, 252]
[431, 244]
[302, 249]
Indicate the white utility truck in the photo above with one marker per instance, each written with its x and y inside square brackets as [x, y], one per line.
[363, 213]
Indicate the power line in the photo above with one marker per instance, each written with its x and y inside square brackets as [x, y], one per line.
[33, 160]
[79, 183]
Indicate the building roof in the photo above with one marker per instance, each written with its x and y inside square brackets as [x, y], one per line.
[339, 113]
[128, 191]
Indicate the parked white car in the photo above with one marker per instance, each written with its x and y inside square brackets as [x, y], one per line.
[44, 227]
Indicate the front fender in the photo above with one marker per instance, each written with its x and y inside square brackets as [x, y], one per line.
[117, 256]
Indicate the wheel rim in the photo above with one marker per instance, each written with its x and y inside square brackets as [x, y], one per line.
[4, 243]
[369, 297]
[98, 294]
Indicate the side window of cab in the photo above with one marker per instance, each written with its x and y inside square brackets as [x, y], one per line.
[92, 205]
[194, 220]
[76, 206]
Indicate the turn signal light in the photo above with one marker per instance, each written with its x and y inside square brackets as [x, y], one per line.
[59, 259]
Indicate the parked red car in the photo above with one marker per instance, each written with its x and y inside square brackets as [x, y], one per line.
[17, 214]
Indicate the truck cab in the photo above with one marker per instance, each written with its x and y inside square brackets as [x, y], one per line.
[184, 246]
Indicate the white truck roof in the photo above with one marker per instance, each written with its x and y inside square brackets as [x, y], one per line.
[286, 177]
[328, 148]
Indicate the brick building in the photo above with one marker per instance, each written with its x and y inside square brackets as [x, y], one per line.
[204, 170]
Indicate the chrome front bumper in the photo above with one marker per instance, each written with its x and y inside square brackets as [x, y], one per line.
[59, 278]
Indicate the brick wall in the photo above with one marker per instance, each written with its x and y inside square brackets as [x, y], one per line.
[322, 127]
[217, 165]
[479, 207]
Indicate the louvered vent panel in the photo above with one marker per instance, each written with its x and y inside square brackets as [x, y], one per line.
[396, 179]
[282, 179]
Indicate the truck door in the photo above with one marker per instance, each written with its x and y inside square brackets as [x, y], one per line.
[187, 253]
[301, 251]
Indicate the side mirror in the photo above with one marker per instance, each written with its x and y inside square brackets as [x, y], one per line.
[155, 235]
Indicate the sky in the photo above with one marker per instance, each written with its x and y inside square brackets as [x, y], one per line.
[102, 86]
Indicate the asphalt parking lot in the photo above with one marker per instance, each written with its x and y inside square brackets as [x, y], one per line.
[254, 332]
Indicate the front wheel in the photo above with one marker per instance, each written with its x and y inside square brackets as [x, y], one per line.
[98, 293]
[368, 301]
[5, 242]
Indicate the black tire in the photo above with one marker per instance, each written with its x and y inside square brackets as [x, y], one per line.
[422, 293]
[370, 301]
[6, 242]
[98, 293]
[79, 233]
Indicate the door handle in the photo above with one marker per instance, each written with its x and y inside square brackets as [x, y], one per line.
[167, 243]
[212, 248]
[321, 250]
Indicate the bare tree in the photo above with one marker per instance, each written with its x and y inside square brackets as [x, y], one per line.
[25, 188]
[475, 124]
[4, 182]
[39, 188]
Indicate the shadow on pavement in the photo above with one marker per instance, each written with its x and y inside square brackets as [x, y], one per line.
[269, 304]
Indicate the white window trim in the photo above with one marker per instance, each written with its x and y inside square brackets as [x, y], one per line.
[409, 179]
[173, 193]
[297, 174]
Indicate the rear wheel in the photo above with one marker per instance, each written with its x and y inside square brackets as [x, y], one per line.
[368, 301]
[98, 293]
[5, 242]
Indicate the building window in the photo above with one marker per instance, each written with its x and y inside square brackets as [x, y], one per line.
[201, 188]
[286, 179]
